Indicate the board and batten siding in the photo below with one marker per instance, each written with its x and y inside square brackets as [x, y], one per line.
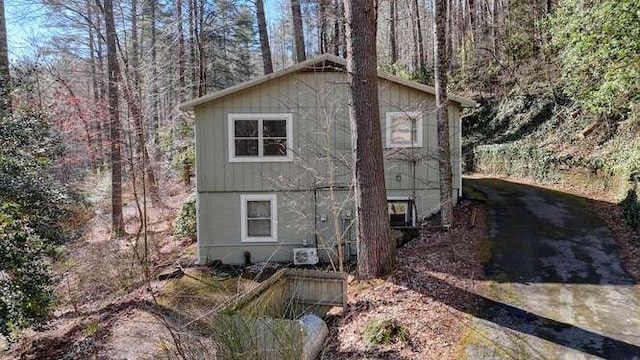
[316, 100]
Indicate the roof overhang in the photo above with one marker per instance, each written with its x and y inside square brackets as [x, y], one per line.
[324, 62]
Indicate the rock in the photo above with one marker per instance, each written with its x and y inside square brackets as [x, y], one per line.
[173, 273]
[4, 345]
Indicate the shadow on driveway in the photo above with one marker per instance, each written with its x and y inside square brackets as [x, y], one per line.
[556, 288]
[522, 321]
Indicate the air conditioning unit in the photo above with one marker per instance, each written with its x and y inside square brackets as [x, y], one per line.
[305, 256]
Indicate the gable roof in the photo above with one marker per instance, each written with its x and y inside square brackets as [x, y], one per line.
[322, 62]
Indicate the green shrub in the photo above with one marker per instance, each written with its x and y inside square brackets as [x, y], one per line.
[517, 159]
[379, 331]
[25, 293]
[31, 212]
[631, 209]
[185, 225]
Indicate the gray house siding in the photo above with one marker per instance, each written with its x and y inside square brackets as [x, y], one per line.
[315, 101]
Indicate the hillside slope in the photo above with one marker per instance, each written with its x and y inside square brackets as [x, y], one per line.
[546, 136]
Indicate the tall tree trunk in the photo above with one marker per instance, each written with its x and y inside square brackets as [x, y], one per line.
[415, 58]
[192, 49]
[100, 43]
[202, 69]
[97, 151]
[448, 31]
[376, 251]
[133, 98]
[393, 46]
[5, 77]
[117, 220]
[494, 25]
[181, 80]
[472, 15]
[322, 26]
[442, 103]
[267, 65]
[155, 117]
[186, 165]
[421, 58]
[298, 33]
[338, 26]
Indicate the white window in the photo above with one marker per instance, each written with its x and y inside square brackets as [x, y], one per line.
[258, 216]
[402, 212]
[260, 137]
[404, 129]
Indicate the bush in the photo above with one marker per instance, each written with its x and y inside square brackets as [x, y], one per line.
[30, 216]
[185, 225]
[380, 331]
[517, 159]
[25, 294]
[631, 209]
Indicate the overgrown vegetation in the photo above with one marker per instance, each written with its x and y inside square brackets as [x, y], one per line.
[31, 209]
[382, 331]
[599, 52]
[572, 108]
[185, 224]
[631, 209]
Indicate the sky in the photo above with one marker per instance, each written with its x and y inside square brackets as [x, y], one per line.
[25, 27]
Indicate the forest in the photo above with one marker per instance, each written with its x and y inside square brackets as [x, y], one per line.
[93, 105]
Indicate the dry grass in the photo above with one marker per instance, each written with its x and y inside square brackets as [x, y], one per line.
[102, 291]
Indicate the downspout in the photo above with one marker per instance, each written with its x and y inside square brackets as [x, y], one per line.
[315, 217]
[460, 157]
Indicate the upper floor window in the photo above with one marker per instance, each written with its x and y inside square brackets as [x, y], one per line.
[260, 137]
[403, 129]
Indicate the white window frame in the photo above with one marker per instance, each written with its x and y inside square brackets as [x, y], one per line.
[419, 128]
[408, 200]
[260, 157]
[244, 199]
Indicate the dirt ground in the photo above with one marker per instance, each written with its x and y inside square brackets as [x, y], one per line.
[429, 294]
[105, 311]
[103, 300]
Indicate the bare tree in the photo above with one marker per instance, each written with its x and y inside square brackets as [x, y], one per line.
[264, 38]
[298, 33]
[442, 103]
[393, 45]
[117, 221]
[376, 251]
[5, 78]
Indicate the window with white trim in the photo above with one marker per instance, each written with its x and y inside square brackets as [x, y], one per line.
[260, 137]
[258, 216]
[402, 212]
[403, 129]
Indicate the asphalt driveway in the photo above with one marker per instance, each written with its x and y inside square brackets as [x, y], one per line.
[557, 289]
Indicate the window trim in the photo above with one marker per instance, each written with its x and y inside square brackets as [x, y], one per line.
[410, 202]
[419, 128]
[244, 236]
[288, 117]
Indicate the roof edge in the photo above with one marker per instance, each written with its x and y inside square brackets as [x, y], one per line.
[191, 104]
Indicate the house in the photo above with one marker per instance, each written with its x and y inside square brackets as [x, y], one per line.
[273, 158]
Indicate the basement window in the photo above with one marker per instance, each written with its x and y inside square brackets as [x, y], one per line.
[403, 129]
[260, 137]
[401, 212]
[258, 216]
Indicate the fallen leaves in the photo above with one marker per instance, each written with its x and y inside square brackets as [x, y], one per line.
[430, 294]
